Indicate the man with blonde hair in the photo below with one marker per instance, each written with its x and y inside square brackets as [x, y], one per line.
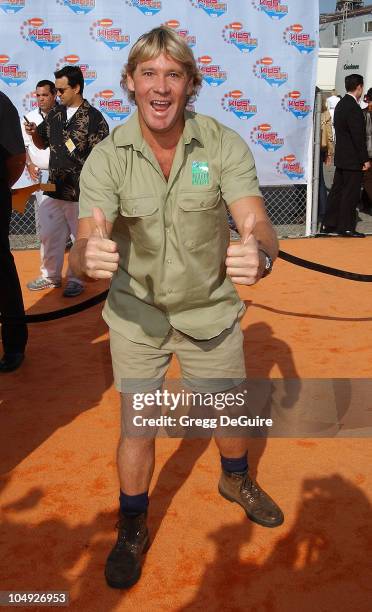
[153, 219]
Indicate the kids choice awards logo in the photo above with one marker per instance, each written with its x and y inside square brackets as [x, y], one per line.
[102, 31]
[294, 36]
[34, 30]
[213, 8]
[29, 101]
[234, 34]
[273, 8]
[292, 168]
[12, 6]
[273, 75]
[263, 135]
[234, 102]
[74, 60]
[115, 109]
[147, 7]
[293, 103]
[212, 74]
[80, 7]
[183, 32]
[10, 73]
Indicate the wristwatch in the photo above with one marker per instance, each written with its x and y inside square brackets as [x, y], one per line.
[268, 264]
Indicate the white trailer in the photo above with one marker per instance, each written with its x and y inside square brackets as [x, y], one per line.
[355, 57]
[327, 64]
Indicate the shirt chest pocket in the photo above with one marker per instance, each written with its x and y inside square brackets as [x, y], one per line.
[141, 214]
[202, 215]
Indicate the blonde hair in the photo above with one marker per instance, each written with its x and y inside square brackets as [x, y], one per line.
[151, 45]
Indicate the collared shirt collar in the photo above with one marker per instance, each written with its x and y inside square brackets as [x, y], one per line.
[132, 134]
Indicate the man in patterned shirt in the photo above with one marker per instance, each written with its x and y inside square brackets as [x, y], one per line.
[70, 130]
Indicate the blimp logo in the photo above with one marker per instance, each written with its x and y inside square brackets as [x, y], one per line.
[205, 59]
[172, 23]
[182, 32]
[294, 36]
[12, 6]
[104, 31]
[35, 22]
[234, 34]
[114, 108]
[264, 136]
[241, 107]
[147, 7]
[297, 106]
[80, 7]
[71, 59]
[292, 168]
[265, 69]
[11, 73]
[35, 30]
[212, 73]
[213, 8]
[29, 101]
[272, 8]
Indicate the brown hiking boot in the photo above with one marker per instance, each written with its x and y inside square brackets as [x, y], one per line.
[123, 565]
[259, 507]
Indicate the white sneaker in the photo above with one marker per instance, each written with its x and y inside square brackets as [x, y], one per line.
[43, 283]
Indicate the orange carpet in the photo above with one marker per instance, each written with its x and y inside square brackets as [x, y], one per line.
[59, 428]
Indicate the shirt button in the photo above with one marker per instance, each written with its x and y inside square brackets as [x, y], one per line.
[169, 261]
[170, 290]
[167, 230]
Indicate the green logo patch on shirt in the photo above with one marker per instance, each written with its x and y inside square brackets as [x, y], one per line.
[200, 173]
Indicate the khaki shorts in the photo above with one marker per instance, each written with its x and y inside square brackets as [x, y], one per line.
[207, 365]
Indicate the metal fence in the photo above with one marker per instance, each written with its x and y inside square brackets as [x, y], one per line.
[286, 207]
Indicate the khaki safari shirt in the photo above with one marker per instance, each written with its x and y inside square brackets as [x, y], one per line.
[172, 236]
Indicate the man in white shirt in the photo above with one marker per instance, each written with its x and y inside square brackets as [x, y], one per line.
[71, 130]
[332, 102]
[37, 162]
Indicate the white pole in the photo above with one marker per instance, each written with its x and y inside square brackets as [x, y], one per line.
[309, 194]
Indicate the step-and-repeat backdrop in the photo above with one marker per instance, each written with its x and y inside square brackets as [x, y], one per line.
[258, 60]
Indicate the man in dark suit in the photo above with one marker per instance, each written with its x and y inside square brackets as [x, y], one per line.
[351, 160]
[12, 162]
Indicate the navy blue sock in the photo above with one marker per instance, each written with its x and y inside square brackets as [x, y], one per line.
[132, 505]
[239, 465]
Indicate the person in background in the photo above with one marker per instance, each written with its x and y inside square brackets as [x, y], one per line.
[71, 130]
[351, 160]
[326, 155]
[37, 162]
[332, 102]
[12, 162]
[366, 199]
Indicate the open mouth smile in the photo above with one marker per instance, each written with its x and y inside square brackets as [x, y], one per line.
[160, 105]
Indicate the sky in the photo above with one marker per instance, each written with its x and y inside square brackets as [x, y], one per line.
[327, 6]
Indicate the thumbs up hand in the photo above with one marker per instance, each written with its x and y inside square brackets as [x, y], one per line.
[243, 259]
[101, 253]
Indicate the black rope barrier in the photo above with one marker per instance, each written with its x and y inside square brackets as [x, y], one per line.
[97, 299]
[311, 265]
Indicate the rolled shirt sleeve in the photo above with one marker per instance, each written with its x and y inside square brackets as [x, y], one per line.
[99, 183]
